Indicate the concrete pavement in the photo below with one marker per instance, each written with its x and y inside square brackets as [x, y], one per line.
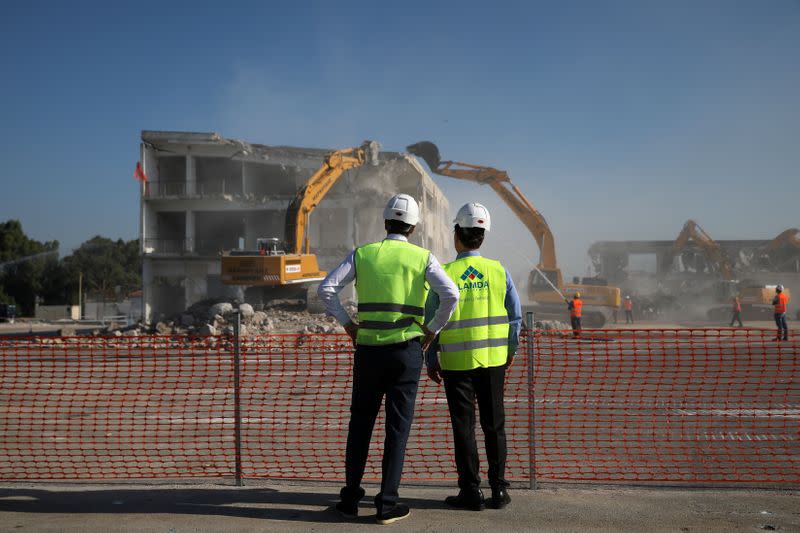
[307, 507]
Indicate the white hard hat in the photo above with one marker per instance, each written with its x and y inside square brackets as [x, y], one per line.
[779, 288]
[402, 207]
[473, 215]
[627, 297]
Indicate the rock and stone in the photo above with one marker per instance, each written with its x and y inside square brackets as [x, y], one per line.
[247, 312]
[66, 331]
[221, 308]
[207, 330]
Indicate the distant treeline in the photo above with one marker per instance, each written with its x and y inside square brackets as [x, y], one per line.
[30, 269]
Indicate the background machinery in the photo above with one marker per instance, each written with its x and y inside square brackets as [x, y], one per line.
[600, 300]
[284, 269]
[755, 298]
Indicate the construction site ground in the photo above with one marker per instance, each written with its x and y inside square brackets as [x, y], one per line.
[262, 506]
[25, 327]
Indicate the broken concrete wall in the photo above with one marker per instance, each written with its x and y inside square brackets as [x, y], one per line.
[233, 193]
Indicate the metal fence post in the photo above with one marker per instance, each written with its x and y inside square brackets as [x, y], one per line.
[237, 404]
[531, 404]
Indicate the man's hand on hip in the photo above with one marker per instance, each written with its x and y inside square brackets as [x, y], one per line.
[510, 359]
[352, 330]
[427, 339]
[435, 372]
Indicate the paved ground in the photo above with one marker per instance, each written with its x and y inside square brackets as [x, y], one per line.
[270, 507]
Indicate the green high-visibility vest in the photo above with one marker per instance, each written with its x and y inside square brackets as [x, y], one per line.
[477, 334]
[391, 288]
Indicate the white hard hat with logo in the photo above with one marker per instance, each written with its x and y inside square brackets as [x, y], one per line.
[779, 288]
[473, 215]
[402, 207]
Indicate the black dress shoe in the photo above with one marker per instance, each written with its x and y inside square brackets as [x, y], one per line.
[467, 499]
[500, 498]
[348, 506]
[398, 512]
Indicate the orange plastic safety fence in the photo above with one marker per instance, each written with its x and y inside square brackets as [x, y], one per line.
[636, 406]
[668, 406]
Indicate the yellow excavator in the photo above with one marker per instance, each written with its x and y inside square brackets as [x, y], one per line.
[755, 298]
[275, 264]
[600, 300]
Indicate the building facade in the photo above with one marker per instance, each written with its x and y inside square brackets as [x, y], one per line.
[206, 193]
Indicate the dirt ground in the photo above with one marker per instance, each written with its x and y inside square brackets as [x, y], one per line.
[307, 507]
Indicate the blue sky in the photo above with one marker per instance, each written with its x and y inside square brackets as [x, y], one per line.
[619, 119]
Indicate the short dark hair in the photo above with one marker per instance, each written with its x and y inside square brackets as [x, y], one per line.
[396, 226]
[472, 238]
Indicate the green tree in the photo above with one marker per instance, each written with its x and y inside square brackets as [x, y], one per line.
[22, 264]
[109, 268]
[30, 269]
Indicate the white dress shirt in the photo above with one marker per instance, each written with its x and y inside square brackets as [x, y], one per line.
[345, 273]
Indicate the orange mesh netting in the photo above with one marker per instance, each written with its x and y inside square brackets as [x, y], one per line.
[635, 406]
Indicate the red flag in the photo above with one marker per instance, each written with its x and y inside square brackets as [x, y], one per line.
[139, 174]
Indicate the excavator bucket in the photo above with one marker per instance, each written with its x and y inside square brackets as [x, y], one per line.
[427, 151]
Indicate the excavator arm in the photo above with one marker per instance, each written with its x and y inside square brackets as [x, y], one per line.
[311, 194]
[499, 181]
[713, 251]
[790, 237]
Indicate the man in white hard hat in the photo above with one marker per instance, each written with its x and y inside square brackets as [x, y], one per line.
[780, 304]
[628, 305]
[476, 346]
[391, 279]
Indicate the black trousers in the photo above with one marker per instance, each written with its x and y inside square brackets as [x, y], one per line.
[780, 321]
[576, 324]
[737, 315]
[628, 316]
[462, 387]
[392, 371]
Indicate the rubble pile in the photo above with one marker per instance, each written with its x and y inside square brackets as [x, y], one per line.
[551, 325]
[210, 318]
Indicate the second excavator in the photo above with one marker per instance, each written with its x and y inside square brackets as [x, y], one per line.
[281, 269]
[600, 300]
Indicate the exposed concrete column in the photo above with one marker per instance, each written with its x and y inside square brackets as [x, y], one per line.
[148, 293]
[191, 174]
[189, 245]
[251, 230]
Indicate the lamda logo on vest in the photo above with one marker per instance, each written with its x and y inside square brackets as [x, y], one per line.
[469, 276]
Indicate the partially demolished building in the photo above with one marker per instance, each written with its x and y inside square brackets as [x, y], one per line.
[206, 193]
[765, 262]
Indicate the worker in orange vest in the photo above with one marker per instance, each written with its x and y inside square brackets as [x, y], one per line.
[628, 306]
[575, 307]
[780, 303]
[737, 312]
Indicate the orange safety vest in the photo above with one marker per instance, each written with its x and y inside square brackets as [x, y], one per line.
[781, 301]
[628, 305]
[575, 311]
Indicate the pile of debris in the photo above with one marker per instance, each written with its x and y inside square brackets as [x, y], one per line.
[213, 317]
[551, 325]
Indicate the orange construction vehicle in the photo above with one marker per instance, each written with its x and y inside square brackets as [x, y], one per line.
[599, 299]
[755, 298]
[275, 264]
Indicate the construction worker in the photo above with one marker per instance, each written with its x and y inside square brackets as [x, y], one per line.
[737, 312]
[628, 306]
[780, 304]
[391, 280]
[575, 307]
[476, 346]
